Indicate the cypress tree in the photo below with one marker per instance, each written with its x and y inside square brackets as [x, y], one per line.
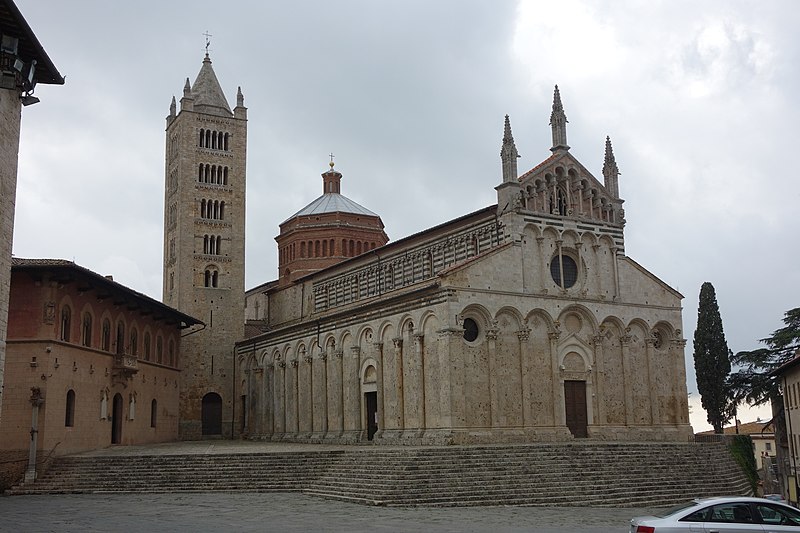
[712, 360]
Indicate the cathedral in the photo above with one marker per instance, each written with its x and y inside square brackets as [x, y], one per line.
[523, 321]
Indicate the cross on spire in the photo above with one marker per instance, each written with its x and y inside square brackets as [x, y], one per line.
[331, 156]
[208, 40]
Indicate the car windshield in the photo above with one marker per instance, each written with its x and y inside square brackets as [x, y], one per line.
[672, 510]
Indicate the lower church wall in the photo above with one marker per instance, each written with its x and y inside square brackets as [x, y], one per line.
[412, 378]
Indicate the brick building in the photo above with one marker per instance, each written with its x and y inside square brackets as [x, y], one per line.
[23, 64]
[97, 362]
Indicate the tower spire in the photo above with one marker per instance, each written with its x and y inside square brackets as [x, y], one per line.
[509, 154]
[611, 170]
[558, 123]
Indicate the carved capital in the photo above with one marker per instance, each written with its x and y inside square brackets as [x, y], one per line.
[450, 332]
[625, 339]
[491, 334]
[355, 350]
[680, 343]
[308, 359]
[524, 334]
[418, 337]
[294, 363]
[323, 356]
[378, 345]
[597, 340]
[397, 342]
[338, 354]
[282, 364]
[554, 334]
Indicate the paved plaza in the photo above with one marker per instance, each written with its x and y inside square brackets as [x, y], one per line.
[244, 512]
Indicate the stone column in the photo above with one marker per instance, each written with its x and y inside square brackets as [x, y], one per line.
[597, 342]
[36, 400]
[523, 335]
[679, 379]
[542, 265]
[351, 393]
[419, 381]
[280, 399]
[269, 400]
[255, 414]
[296, 393]
[397, 342]
[306, 395]
[598, 273]
[559, 415]
[318, 395]
[559, 242]
[379, 379]
[494, 401]
[652, 380]
[336, 410]
[451, 380]
[627, 374]
[615, 271]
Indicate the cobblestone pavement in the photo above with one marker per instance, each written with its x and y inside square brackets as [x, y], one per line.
[284, 512]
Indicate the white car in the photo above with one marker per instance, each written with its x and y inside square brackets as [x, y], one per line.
[721, 515]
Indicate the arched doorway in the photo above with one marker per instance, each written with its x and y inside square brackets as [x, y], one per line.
[116, 420]
[370, 390]
[212, 414]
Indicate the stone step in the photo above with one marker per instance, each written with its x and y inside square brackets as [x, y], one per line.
[557, 474]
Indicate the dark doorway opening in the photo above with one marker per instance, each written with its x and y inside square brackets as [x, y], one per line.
[371, 400]
[575, 407]
[116, 419]
[212, 414]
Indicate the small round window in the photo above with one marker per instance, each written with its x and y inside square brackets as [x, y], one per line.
[470, 330]
[566, 265]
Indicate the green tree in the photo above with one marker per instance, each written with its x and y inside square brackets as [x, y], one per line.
[754, 383]
[712, 363]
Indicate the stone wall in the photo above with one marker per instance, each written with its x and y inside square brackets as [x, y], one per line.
[10, 114]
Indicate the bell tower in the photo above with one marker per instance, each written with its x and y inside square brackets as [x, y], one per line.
[204, 223]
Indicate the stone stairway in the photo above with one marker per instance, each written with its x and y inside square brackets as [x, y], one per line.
[586, 474]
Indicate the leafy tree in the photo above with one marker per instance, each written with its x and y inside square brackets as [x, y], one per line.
[754, 383]
[712, 360]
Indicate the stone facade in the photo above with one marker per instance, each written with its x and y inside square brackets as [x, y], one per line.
[20, 50]
[524, 321]
[98, 362]
[204, 217]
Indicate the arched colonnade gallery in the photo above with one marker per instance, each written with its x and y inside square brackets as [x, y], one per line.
[503, 376]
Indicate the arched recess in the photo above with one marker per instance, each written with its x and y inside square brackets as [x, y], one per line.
[434, 370]
[211, 414]
[506, 371]
[369, 394]
[612, 371]
[642, 381]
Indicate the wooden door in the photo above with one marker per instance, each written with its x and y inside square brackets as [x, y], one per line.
[116, 419]
[575, 407]
[371, 400]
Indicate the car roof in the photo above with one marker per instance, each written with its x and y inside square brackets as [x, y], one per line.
[731, 499]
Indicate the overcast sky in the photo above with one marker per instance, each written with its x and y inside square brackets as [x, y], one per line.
[699, 98]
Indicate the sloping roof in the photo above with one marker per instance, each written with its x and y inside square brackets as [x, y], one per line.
[68, 267]
[764, 427]
[13, 23]
[208, 95]
[332, 203]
